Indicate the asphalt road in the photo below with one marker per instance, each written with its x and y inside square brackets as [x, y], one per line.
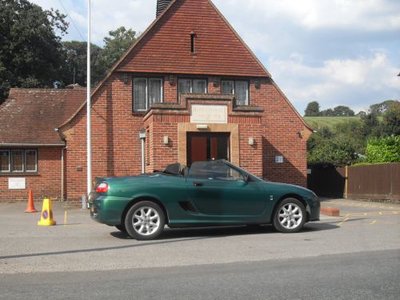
[353, 256]
[373, 275]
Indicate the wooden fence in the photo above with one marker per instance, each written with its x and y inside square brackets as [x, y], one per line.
[373, 182]
[376, 182]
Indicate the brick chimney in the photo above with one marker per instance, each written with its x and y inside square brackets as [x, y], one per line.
[161, 6]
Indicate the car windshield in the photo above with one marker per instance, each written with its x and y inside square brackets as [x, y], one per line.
[174, 169]
[214, 170]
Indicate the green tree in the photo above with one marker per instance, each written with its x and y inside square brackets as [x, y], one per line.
[30, 47]
[74, 68]
[337, 152]
[382, 150]
[312, 109]
[116, 45]
[391, 120]
[342, 145]
[351, 141]
[342, 110]
[327, 113]
[371, 126]
[381, 108]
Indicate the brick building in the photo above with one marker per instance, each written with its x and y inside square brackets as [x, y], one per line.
[188, 89]
[32, 152]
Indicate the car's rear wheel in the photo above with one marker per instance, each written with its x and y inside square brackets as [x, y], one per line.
[290, 216]
[145, 220]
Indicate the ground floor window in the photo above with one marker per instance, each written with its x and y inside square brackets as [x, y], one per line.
[18, 160]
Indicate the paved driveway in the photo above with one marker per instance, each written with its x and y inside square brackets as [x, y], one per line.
[77, 243]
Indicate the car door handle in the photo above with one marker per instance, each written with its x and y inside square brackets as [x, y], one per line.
[197, 184]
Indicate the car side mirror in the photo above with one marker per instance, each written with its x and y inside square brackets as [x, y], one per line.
[246, 178]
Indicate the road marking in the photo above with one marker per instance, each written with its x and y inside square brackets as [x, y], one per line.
[373, 213]
[344, 220]
[373, 222]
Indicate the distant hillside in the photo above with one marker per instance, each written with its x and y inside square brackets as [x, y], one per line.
[330, 122]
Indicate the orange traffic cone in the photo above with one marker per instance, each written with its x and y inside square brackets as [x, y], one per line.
[46, 217]
[30, 208]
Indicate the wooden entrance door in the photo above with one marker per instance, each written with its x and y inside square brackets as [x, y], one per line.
[207, 146]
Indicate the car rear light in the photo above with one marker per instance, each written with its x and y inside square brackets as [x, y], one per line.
[102, 188]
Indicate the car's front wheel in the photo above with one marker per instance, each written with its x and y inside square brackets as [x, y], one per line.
[290, 216]
[145, 220]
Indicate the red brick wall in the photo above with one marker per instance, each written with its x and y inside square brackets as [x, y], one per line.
[116, 145]
[115, 137]
[251, 155]
[47, 182]
[284, 135]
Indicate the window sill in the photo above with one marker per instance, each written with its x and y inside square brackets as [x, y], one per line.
[248, 108]
[22, 174]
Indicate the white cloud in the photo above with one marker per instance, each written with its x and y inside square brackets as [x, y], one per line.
[332, 51]
[107, 16]
[373, 15]
[338, 78]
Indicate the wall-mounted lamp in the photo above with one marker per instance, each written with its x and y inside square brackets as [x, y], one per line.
[257, 84]
[142, 134]
[202, 126]
[300, 134]
[251, 141]
[166, 139]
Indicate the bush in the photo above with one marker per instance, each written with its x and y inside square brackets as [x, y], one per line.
[381, 150]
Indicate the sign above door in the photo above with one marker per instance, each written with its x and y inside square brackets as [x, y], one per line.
[209, 114]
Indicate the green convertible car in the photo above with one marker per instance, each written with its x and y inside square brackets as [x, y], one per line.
[209, 193]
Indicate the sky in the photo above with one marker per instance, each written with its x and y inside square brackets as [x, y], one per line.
[335, 52]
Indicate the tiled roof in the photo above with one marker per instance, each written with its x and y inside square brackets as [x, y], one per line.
[166, 46]
[30, 116]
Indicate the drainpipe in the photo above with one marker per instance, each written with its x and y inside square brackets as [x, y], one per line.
[62, 179]
[142, 137]
[62, 173]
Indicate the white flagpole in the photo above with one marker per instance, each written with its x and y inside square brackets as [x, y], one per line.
[88, 107]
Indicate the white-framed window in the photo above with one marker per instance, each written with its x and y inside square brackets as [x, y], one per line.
[146, 91]
[30, 161]
[239, 88]
[192, 86]
[18, 160]
[5, 162]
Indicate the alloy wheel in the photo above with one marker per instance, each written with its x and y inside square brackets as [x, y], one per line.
[146, 220]
[290, 216]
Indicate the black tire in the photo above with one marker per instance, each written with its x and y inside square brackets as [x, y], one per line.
[289, 216]
[145, 220]
[121, 228]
